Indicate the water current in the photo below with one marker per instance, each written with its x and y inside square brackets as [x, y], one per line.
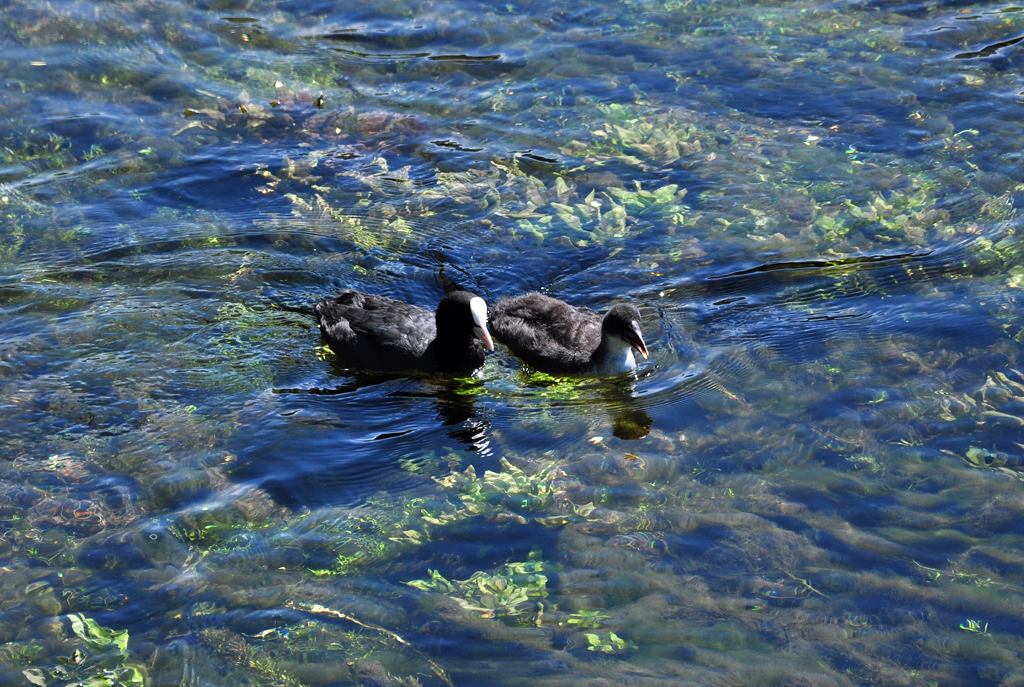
[815, 479]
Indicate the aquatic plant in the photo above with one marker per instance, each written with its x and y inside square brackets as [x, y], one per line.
[105, 660]
[511, 590]
[512, 487]
[973, 626]
[641, 138]
[587, 619]
[609, 643]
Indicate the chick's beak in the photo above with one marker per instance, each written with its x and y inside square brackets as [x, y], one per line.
[638, 341]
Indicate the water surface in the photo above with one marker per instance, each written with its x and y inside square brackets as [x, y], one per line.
[815, 479]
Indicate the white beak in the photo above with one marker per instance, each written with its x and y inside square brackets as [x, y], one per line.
[478, 307]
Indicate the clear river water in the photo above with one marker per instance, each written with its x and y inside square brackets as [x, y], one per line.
[817, 479]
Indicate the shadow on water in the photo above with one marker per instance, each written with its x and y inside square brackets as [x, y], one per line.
[335, 446]
[632, 423]
[332, 446]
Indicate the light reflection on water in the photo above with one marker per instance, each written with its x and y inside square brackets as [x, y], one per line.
[813, 480]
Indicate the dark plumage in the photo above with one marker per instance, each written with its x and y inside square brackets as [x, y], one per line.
[554, 337]
[382, 334]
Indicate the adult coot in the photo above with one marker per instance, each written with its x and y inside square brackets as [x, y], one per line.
[385, 335]
[552, 336]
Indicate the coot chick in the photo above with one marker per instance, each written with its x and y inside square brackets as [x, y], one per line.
[552, 336]
[384, 335]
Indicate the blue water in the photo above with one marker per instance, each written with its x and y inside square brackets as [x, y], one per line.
[814, 479]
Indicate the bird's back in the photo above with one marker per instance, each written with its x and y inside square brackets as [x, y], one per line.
[547, 334]
[377, 333]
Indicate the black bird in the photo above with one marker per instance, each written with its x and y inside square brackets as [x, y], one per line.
[382, 334]
[552, 336]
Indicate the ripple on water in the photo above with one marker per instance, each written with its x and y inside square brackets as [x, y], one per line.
[814, 209]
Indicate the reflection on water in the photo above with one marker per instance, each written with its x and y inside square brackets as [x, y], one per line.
[815, 479]
[357, 434]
